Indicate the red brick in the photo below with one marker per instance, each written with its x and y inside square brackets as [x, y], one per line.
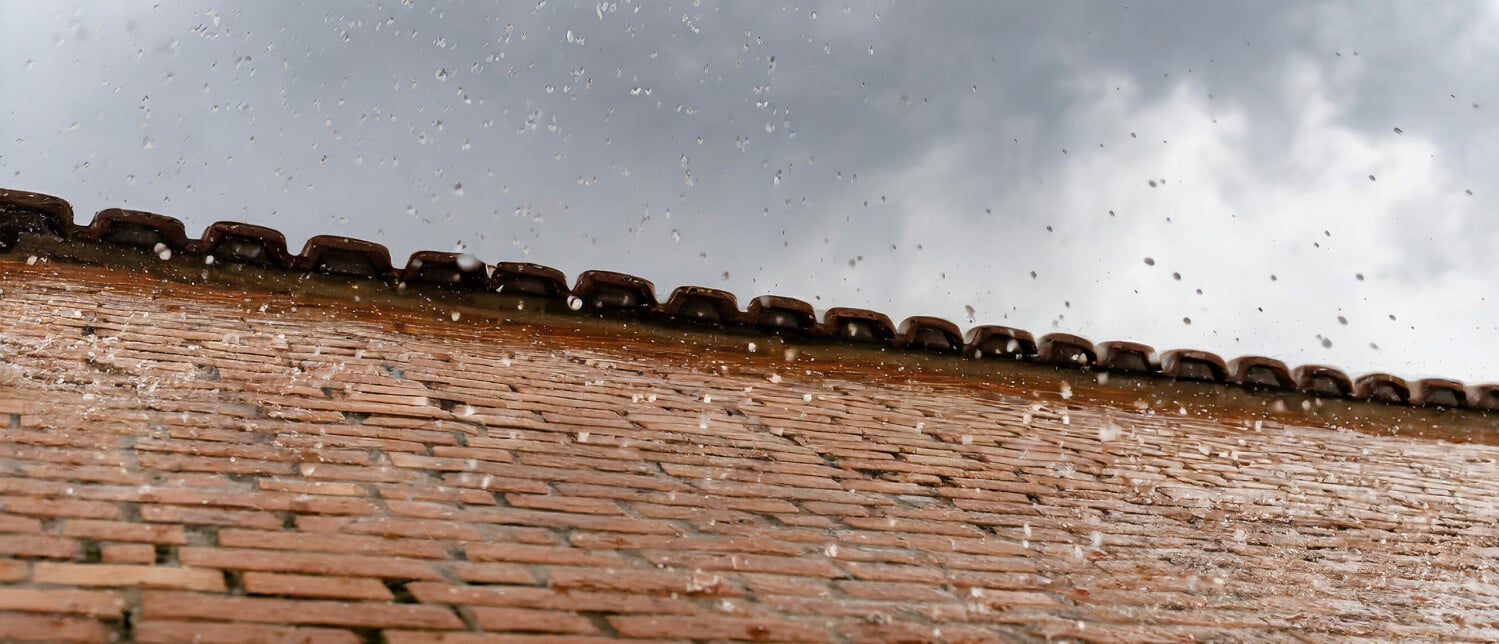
[806, 566]
[548, 555]
[443, 463]
[270, 501]
[933, 543]
[758, 544]
[764, 585]
[643, 581]
[520, 475]
[837, 509]
[892, 591]
[424, 509]
[389, 527]
[174, 605]
[21, 627]
[435, 637]
[491, 573]
[365, 473]
[495, 483]
[123, 531]
[788, 493]
[716, 627]
[346, 544]
[170, 632]
[295, 486]
[187, 463]
[244, 451]
[583, 505]
[438, 493]
[893, 524]
[878, 555]
[527, 620]
[477, 453]
[95, 603]
[138, 553]
[77, 574]
[307, 563]
[863, 630]
[987, 563]
[551, 599]
[60, 508]
[12, 523]
[517, 516]
[264, 583]
[889, 572]
[13, 570]
[336, 437]
[44, 546]
[699, 516]
[210, 516]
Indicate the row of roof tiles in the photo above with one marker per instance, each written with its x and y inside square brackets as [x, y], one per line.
[621, 294]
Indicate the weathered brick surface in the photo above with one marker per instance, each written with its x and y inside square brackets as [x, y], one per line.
[178, 463]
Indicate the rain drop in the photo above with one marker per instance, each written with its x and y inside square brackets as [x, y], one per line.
[1109, 430]
[467, 262]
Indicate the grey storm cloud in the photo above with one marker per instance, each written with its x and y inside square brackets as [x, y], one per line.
[916, 158]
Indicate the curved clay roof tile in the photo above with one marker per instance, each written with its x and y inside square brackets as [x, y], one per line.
[857, 325]
[1191, 364]
[1065, 349]
[1127, 357]
[1382, 387]
[1322, 380]
[1260, 372]
[608, 290]
[992, 340]
[34, 213]
[929, 333]
[529, 279]
[448, 270]
[1439, 392]
[701, 304]
[779, 314]
[231, 241]
[337, 255]
[137, 229]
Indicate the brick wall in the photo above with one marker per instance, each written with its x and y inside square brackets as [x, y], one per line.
[199, 462]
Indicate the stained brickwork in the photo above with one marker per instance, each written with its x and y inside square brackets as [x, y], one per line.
[197, 462]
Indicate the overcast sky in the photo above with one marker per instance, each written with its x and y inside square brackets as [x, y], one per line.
[1325, 175]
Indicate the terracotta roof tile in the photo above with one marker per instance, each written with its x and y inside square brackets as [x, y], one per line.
[242, 451]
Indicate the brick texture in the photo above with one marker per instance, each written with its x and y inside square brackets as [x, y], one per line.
[187, 462]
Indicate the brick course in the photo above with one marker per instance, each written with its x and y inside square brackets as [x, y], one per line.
[178, 463]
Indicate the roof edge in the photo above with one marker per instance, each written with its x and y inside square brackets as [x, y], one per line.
[612, 294]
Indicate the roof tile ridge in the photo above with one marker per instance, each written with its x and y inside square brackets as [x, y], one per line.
[621, 294]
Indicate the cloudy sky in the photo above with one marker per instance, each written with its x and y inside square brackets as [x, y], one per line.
[1312, 181]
